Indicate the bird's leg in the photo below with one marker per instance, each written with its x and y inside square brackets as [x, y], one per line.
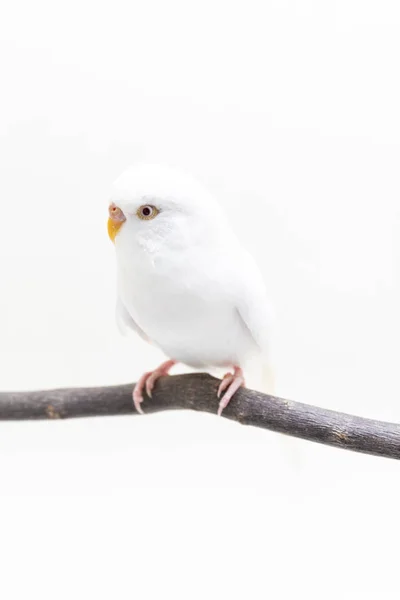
[147, 382]
[231, 382]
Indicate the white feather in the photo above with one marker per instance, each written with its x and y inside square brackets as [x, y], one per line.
[184, 280]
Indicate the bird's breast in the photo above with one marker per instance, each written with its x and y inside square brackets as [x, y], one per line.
[188, 314]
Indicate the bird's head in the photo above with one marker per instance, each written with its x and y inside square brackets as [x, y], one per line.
[155, 205]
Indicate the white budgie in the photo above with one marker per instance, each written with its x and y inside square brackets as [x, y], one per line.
[185, 283]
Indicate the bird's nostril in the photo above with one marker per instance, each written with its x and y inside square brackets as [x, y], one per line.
[115, 213]
[114, 210]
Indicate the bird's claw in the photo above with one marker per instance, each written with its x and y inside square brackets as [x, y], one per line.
[231, 382]
[147, 381]
[226, 381]
[136, 403]
[137, 393]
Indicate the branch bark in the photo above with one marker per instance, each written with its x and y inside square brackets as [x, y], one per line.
[198, 392]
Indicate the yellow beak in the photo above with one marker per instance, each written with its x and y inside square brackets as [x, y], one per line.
[115, 221]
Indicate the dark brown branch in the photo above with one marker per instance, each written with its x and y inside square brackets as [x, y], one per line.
[198, 392]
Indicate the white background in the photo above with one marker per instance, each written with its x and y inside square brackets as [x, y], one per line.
[289, 112]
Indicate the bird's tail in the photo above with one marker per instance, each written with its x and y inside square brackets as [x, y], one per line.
[261, 376]
[268, 379]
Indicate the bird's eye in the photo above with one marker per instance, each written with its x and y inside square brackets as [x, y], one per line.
[147, 212]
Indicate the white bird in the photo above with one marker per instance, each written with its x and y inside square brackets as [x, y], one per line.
[184, 281]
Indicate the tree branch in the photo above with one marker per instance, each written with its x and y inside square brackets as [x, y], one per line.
[198, 392]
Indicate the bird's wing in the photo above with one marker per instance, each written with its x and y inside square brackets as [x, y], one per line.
[253, 305]
[125, 321]
[255, 311]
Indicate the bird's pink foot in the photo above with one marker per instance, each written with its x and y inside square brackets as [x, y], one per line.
[147, 381]
[231, 382]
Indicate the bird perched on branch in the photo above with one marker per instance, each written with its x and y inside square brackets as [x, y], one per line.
[184, 282]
